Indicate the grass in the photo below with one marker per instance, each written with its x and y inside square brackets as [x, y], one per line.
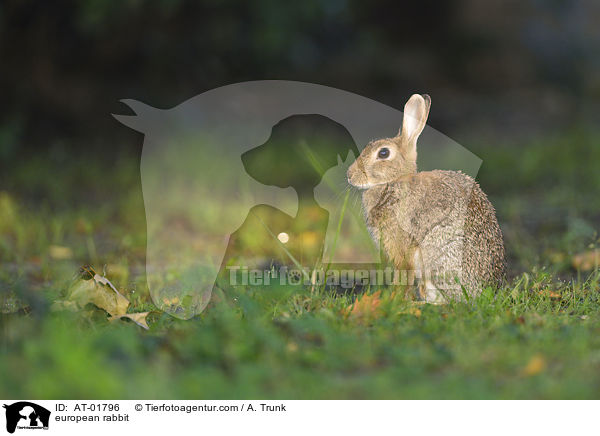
[538, 337]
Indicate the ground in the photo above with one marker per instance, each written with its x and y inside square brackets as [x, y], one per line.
[537, 337]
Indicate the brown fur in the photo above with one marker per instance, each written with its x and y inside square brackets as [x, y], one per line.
[430, 221]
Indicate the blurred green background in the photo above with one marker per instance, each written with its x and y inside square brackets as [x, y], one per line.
[516, 82]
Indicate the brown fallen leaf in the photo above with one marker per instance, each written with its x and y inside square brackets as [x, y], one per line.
[535, 365]
[98, 290]
[138, 318]
[587, 260]
[365, 306]
[171, 301]
[415, 311]
[550, 293]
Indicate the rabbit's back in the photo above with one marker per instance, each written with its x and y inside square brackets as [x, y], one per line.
[470, 241]
[483, 256]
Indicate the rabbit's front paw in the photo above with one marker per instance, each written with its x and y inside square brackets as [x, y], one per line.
[431, 294]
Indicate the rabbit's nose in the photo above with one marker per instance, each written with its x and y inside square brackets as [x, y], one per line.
[349, 178]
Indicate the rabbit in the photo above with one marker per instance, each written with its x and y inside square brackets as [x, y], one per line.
[429, 222]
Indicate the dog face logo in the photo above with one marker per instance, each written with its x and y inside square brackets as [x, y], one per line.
[26, 415]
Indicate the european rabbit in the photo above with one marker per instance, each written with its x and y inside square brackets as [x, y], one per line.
[438, 224]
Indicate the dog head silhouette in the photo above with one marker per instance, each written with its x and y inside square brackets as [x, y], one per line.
[299, 151]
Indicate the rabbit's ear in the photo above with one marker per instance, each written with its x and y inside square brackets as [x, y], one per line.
[416, 111]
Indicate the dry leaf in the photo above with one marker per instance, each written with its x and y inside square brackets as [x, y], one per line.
[414, 311]
[550, 293]
[535, 365]
[98, 290]
[104, 281]
[365, 306]
[138, 318]
[587, 261]
[171, 301]
[101, 292]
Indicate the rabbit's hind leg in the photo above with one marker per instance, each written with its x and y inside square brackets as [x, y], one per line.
[430, 294]
[427, 291]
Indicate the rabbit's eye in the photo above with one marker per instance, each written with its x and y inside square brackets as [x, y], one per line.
[383, 153]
